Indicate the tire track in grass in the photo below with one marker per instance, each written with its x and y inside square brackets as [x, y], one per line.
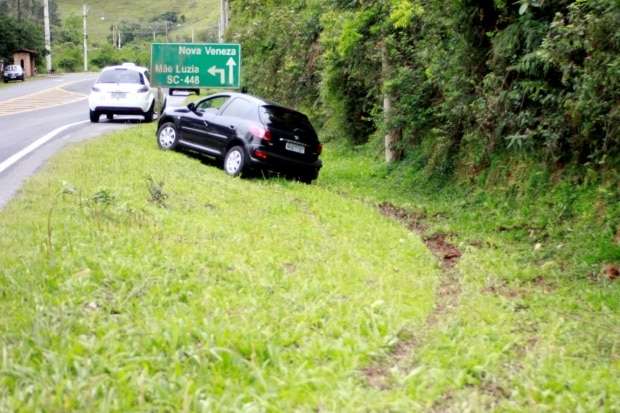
[447, 299]
[447, 296]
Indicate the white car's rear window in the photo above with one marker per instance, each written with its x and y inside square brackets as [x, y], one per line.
[121, 76]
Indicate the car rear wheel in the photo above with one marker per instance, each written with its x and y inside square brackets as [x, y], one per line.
[234, 161]
[109, 116]
[94, 116]
[307, 178]
[167, 136]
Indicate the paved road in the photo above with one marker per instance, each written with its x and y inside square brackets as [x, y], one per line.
[17, 89]
[32, 110]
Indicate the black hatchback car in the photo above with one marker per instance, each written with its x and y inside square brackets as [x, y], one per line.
[247, 133]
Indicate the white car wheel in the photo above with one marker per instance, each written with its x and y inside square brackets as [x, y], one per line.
[234, 161]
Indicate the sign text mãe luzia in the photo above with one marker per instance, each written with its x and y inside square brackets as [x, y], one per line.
[194, 65]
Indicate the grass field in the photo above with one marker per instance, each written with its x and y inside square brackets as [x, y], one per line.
[139, 280]
[199, 15]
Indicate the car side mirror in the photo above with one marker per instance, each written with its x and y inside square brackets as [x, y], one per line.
[192, 107]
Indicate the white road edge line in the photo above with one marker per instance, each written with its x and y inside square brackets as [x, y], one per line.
[36, 144]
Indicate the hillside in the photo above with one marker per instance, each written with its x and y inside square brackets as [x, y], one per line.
[201, 16]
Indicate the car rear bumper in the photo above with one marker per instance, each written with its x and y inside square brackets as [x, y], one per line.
[116, 110]
[284, 164]
[131, 101]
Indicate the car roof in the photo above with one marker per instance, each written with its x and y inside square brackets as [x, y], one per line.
[254, 99]
[126, 66]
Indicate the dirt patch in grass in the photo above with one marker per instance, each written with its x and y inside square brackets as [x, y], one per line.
[447, 253]
[446, 297]
[611, 271]
[414, 221]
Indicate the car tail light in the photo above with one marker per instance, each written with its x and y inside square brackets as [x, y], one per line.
[260, 154]
[319, 148]
[95, 89]
[261, 133]
[143, 89]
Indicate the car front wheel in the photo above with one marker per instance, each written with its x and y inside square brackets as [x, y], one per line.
[234, 162]
[167, 136]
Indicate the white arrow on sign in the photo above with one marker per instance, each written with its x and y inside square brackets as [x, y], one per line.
[214, 71]
[231, 70]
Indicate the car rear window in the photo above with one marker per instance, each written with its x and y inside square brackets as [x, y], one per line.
[121, 76]
[283, 118]
[241, 108]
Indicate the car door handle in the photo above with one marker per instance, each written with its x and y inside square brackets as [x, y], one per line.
[232, 126]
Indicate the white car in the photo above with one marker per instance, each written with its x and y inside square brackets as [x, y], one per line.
[124, 90]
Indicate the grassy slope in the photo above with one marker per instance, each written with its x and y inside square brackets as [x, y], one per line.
[199, 14]
[274, 295]
[238, 294]
[537, 326]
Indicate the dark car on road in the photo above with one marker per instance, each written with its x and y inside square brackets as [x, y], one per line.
[13, 72]
[247, 133]
[184, 89]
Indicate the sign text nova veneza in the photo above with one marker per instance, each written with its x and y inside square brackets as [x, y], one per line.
[194, 65]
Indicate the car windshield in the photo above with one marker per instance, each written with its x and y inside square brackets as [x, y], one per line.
[120, 76]
[283, 118]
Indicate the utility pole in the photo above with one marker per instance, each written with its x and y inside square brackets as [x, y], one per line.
[119, 34]
[192, 35]
[84, 15]
[166, 21]
[223, 23]
[48, 42]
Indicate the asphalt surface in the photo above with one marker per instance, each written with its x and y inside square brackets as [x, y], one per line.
[27, 125]
[17, 89]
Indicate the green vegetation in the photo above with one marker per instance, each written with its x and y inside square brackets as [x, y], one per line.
[15, 35]
[511, 107]
[535, 326]
[139, 19]
[136, 279]
[139, 23]
[468, 81]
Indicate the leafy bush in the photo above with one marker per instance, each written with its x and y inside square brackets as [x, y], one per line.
[532, 78]
[68, 57]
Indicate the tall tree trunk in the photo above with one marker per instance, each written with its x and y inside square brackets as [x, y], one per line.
[392, 137]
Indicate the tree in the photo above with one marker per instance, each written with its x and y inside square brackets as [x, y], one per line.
[16, 35]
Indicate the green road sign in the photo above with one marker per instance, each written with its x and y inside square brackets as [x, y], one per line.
[194, 65]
